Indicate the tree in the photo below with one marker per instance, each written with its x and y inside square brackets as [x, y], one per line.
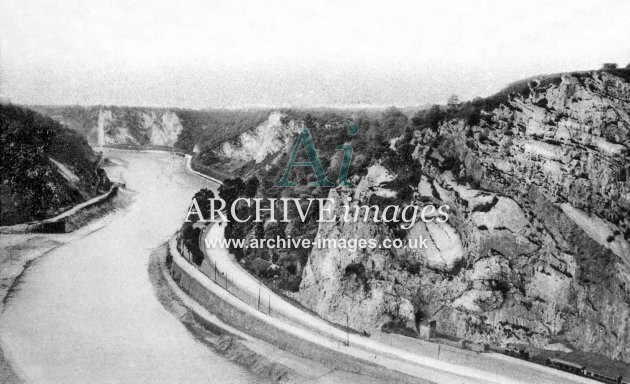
[428, 118]
[610, 66]
[230, 190]
[394, 122]
[250, 187]
[203, 196]
[434, 117]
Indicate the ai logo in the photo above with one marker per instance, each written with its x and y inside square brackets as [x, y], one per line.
[304, 139]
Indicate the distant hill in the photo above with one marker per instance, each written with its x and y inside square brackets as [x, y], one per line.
[192, 130]
[143, 126]
[45, 167]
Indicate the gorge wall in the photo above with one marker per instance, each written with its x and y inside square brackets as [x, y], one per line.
[199, 131]
[103, 125]
[45, 168]
[536, 247]
[139, 127]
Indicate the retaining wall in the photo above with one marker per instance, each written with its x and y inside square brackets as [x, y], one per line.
[67, 221]
[213, 298]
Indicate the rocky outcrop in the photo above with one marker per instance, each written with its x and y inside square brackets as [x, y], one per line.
[266, 140]
[137, 127]
[536, 247]
[353, 286]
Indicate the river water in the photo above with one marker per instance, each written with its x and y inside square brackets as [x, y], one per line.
[87, 313]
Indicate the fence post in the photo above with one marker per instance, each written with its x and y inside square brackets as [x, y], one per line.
[259, 284]
[348, 327]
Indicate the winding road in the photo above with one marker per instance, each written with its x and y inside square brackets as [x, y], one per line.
[479, 368]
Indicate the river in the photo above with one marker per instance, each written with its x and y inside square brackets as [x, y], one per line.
[87, 313]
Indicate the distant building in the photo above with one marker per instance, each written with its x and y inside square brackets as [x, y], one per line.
[4, 100]
[453, 101]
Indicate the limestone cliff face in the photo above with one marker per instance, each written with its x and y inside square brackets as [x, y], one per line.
[262, 142]
[536, 247]
[137, 127]
[337, 283]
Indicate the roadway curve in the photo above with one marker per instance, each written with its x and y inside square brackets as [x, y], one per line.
[87, 313]
[490, 368]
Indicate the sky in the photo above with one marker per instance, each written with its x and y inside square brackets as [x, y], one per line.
[211, 54]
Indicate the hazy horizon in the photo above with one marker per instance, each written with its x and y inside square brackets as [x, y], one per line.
[240, 54]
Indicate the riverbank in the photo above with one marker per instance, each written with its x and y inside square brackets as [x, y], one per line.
[8, 373]
[412, 356]
[86, 312]
[23, 245]
[69, 220]
[204, 328]
[18, 252]
[264, 359]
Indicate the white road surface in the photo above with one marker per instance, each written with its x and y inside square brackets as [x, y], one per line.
[317, 330]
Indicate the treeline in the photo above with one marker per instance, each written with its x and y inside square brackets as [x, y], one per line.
[202, 128]
[209, 128]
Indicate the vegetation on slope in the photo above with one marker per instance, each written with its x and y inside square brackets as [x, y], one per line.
[32, 185]
[442, 148]
[370, 145]
[201, 128]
